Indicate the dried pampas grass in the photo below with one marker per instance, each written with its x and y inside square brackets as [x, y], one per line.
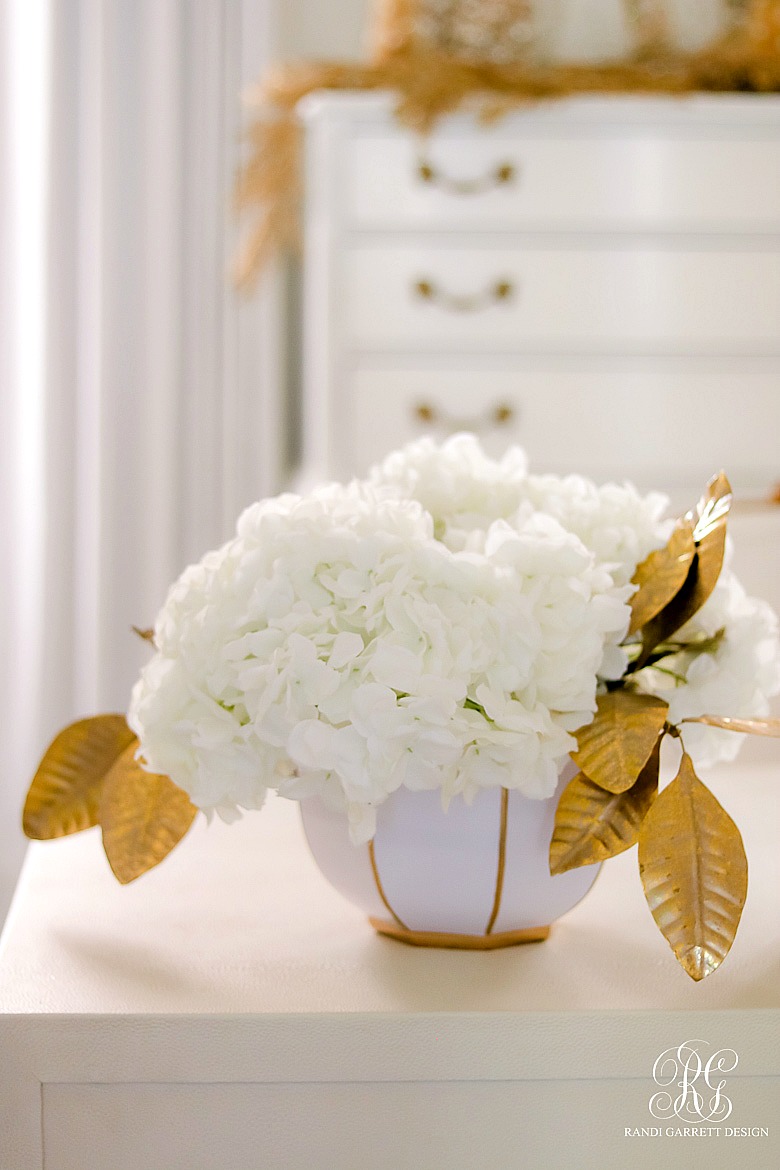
[430, 84]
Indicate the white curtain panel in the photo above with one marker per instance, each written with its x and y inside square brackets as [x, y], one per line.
[23, 41]
[147, 414]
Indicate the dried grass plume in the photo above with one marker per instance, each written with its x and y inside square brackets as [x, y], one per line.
[429, 83]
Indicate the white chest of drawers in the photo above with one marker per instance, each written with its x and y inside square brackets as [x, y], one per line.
[596, 279]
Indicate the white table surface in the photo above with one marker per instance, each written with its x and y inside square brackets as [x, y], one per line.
[238, 919]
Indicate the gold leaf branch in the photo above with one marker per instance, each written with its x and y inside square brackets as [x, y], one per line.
[694, 872]
[592, 824]
[661, 576]
[616, 746]
[142, 816]
[64, 796]
[709, 534]
[766, 727]
[89, 776]
[691, 856]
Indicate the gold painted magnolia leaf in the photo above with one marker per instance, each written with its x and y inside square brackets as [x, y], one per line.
[768, 727]
[713, 508]
[143, 816]
[64, 796]
[694, 872]
[710, 536]
[709, 533]
[614, 748]
[661, 575]
[592, 824]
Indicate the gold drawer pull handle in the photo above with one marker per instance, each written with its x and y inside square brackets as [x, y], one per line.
[500, 176]
[500, 290]
[496, 416]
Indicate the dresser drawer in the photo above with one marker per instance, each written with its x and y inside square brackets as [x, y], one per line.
[580, 299]
[664, 425]
[447, 1125]
[491, 179]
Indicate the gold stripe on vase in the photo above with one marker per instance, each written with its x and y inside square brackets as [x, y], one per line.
[489, 941]
[501, 861]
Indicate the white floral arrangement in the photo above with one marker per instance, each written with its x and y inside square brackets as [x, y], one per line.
[445, 624]
[457, 623]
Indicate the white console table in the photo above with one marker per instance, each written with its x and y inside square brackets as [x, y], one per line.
[230, 1012]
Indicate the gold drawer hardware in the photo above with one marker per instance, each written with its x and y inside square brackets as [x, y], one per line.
[501, 290]
[499, 176]
[496, 416]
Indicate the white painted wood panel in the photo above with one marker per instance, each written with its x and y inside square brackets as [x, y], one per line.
[601, 179]
[644, 297]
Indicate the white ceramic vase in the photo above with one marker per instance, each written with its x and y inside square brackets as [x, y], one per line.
[476, 876]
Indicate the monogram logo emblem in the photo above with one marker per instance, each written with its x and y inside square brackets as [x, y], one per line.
[691, 1083]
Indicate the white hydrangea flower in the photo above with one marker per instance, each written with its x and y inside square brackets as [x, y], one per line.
[620, 526]
[616, 523]
[466, 492]
[335, 646]
[458, 484]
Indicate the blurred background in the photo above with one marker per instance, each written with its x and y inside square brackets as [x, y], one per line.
[142, 398]
[145, 401]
